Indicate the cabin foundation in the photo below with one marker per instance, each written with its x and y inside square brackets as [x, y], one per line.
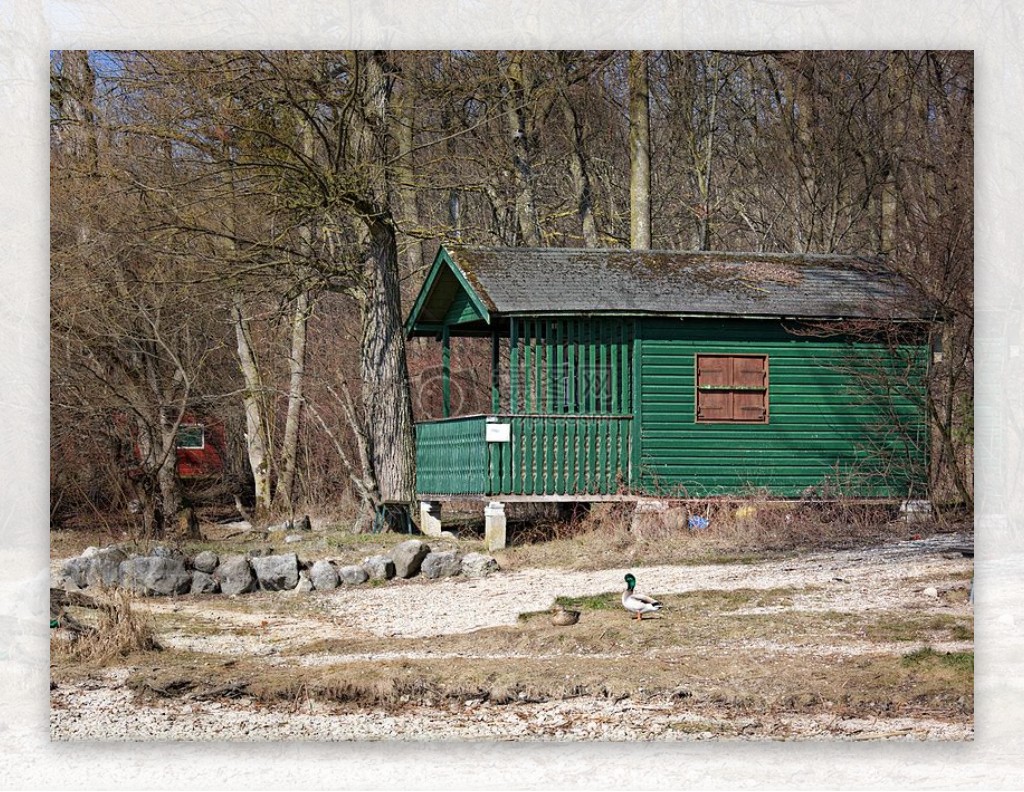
[494, 525]
[430, 518]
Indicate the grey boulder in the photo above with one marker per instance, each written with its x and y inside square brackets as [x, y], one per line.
[276, 572]
[477, 565]
[408, 556]
[379, 567]
[303, 524]
[324, 576]
[74, 570]
[104, 567]
[205, 561]
[352, 575]
[305, 584]
[154, 576]
[446, 563]
[203, 583]
[234, 575]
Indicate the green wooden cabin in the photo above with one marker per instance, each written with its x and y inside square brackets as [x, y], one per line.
[620, 375]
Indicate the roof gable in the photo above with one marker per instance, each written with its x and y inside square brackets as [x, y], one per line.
[446, 298]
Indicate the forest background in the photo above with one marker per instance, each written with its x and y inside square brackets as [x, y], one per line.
[239, 233]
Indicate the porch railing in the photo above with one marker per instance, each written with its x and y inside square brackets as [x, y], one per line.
[538, 455]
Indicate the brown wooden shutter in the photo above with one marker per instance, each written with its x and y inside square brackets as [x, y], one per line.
[732, 388]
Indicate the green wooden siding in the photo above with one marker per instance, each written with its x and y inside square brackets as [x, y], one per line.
[451, 456]
[546, 455]
[838, 411]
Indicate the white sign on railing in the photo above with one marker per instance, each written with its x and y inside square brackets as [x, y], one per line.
[499, 432]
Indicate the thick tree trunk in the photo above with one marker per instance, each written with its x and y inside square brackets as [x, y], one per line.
[639, 152]
[405, 175]
[387, 405]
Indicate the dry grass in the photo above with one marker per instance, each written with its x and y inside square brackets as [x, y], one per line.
[112, 634]
[704, 647]
[743, 531]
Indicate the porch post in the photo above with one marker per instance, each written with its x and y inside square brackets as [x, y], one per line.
[495, 362]
[446, 386]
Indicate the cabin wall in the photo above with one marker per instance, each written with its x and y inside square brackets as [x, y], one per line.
[844, 417]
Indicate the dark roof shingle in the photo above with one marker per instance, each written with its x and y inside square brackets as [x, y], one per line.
[569, 280]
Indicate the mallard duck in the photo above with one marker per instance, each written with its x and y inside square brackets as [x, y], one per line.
[637, 603]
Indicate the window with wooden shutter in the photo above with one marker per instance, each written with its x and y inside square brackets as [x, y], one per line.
[732, 388]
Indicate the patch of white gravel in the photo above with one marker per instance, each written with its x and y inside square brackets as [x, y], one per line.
[107, 711]
[849, 581]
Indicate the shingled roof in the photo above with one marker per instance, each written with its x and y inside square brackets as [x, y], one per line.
[544, 281]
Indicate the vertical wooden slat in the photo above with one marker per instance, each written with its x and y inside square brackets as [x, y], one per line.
[602, 402]
[549, 364]
[513, 365]
[615, 350]
[571, 337]
[592, 344]
[559, 456]
[527, 365]
[495, 372]
[506, 463]
[446, 366]
[550, 425]
[559, 366]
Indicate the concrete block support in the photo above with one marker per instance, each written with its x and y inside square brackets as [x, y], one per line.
[494, 525]
[430, 518]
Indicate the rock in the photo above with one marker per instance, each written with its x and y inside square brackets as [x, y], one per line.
[203, 583]
[305, 584]
[234, 575]
[153, 576]
[304, 524]
[276, 572]
[324, 576]
[89, 552]
[161, 551]
[290, 538]
[104, 567]
[478, 565]
[446, 563]
[352, 575]
[447, 535]
[379, 567]
[280, 527]
[408, 556]
[931, 591]
[73, 571]
[205, 561]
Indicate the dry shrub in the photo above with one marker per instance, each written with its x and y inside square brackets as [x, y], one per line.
[611, 534]
[119, 631]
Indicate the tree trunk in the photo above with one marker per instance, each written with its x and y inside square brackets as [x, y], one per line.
[285, 491]
[517, 127]
[580, 175]
[639, 152]
[405, 175]
[386, 401]
[256, 440]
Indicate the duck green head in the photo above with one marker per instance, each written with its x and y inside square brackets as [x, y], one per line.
[630, 581]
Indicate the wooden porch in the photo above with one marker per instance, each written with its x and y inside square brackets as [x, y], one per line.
[525, 457]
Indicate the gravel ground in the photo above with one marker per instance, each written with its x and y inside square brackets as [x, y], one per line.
[881, 578]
